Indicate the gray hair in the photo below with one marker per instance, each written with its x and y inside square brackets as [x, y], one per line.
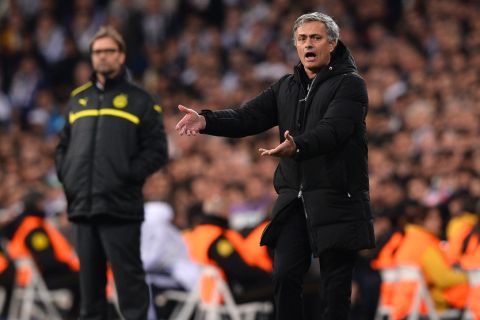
[333, 31]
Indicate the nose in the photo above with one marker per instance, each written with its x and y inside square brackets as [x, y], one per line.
[308, 46]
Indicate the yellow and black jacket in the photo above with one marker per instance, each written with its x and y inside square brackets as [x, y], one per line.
[31, 235]
[112, 141]
[213, 243]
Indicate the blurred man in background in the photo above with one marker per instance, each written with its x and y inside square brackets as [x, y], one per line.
[112, 141]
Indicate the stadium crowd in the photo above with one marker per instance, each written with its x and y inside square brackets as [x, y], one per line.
[420, 59]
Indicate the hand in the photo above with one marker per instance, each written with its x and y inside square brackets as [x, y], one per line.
[285, 149]
[191, 123]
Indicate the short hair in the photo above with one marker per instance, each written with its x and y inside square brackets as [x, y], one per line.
[109, 32]
[333, 31]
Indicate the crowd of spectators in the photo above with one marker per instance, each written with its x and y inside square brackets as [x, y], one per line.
[420, 59]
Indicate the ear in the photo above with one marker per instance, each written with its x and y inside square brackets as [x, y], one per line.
[123, 57]
[332, 45]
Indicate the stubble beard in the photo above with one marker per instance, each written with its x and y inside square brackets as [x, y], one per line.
[107, 72]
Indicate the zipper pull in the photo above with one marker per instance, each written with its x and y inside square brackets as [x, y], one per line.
[300, 193]
[349, 195]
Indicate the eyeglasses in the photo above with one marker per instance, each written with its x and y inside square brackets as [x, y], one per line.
[108, 51]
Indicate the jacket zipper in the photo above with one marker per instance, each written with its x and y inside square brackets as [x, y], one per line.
[313, 244]
[300, 175]
[309, 88]
[92, 160]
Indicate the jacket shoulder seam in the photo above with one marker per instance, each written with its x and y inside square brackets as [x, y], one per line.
[81, 88]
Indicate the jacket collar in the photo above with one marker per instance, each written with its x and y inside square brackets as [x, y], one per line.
[121, 77]
[214, 220]
[420, 233]
[10, 229]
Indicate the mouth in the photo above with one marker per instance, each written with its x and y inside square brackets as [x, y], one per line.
[310, 56]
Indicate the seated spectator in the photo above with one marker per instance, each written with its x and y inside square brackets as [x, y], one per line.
[166, 266]
[462, 221]
[421, 248]
[30, 234]
[388, 241]
[258, 256]
[470, 260]
[213, 243]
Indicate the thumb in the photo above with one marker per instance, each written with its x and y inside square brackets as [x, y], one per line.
[185, 109]
[288, 136]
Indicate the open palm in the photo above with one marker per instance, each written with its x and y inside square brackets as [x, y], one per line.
[191, 123]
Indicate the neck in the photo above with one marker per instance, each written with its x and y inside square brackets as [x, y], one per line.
[101, 77]
[310, 73]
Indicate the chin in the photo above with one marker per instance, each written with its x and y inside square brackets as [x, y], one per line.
[106, 72]
[311, 65]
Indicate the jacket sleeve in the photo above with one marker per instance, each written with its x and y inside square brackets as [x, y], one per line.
[347, 109]
[153, 150]
[255, 116]
[439, 272]
[62, 147]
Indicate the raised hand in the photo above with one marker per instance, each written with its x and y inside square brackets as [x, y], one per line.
[191, 123]
[285, 149]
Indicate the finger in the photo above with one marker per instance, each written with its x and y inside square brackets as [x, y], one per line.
[186, 110]
[263, 151]
[277, 150]
[191, 132]
[182, 130]
[179, 124]
[273, 152]
[182, 108]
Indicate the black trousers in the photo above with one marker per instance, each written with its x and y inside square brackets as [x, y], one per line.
[291, 261]
[118, 243]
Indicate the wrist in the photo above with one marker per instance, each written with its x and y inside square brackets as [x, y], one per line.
[297, 152]
[204, 114]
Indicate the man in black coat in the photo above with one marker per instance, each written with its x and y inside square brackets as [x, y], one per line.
[322, 179]
[112, 141]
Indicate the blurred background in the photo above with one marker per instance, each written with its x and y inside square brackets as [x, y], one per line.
[420, 59]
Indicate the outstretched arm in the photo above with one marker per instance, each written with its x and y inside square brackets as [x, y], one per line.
[253, 117]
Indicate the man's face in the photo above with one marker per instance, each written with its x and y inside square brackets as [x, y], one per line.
[313, 46]
[107, 59]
